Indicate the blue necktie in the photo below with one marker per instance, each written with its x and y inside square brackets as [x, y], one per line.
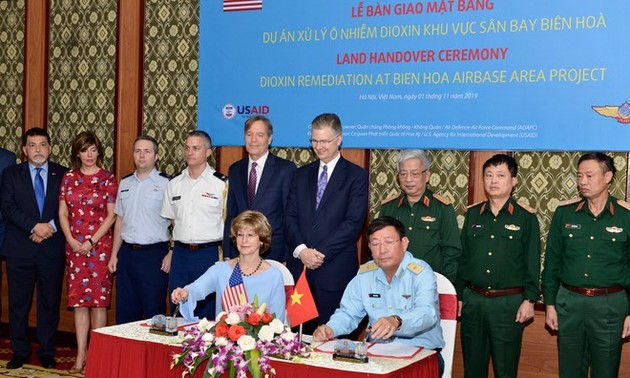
[321, 185]
[40, 193]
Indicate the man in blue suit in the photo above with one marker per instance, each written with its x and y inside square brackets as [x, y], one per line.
[325, 213]
[7, 158]
[33, 247]
[261, 181]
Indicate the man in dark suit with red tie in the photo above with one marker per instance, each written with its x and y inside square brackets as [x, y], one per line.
[33, 247]
[260, 182]
[325, 213]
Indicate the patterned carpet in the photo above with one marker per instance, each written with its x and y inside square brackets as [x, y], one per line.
[33, 371]
[65, 359]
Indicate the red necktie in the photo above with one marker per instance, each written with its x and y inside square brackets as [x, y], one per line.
[251, 186]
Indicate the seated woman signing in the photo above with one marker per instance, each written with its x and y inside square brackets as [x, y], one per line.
[238, 281]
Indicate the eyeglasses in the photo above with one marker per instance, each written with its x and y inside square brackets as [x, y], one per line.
[242, 235]
[413, 174]
[315, 142]
[376, 244]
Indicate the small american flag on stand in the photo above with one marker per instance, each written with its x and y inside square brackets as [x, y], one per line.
[235, 293]
[241, 5]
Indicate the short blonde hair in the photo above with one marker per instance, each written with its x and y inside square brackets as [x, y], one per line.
[257, 222]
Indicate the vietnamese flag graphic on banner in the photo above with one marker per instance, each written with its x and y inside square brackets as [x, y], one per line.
[301, 307]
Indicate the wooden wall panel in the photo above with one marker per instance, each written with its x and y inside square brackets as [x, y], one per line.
[36, 64]
[130, 46]
[360, 157]
[225, 156]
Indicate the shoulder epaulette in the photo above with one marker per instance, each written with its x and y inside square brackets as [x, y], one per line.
[474, 204]
[623, 204]
[526, 207]
[129, 175]
[570, 201]
[441, 198]
[390, 199]
[165, 175]
[368, 267]
[220, 176]
[415, 268]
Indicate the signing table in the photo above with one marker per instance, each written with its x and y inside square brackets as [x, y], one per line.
[129, 350]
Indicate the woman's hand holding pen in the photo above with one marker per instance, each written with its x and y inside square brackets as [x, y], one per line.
[179, 295]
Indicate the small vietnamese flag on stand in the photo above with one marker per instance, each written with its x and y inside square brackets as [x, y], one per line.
[301, 305]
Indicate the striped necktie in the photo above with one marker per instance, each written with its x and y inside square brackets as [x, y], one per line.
[321, 185]
[251, 186]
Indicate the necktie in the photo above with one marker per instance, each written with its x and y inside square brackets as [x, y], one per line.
[321, 185]
[251, 186]
[40, 193]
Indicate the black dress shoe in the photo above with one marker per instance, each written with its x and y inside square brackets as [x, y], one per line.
[48, 362]
[17, 362]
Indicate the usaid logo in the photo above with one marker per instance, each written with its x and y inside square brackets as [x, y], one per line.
[229, 111]
[252, 109]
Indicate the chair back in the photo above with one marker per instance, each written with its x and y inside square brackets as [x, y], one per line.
[448, 316]
[287, 277]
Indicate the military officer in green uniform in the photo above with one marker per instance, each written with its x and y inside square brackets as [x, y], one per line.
[586, 273]
[497, 280]
[428, 217]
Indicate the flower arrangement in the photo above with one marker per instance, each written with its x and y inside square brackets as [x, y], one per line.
[239, 341]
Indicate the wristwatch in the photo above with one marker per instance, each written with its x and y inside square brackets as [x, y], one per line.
[399, 320]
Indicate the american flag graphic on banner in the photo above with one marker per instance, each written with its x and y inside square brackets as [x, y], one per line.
[234, 294]
[241, 5]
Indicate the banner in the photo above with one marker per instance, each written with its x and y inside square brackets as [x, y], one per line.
[452, 74]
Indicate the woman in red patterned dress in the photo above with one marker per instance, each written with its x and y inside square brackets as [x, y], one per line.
[86, 216]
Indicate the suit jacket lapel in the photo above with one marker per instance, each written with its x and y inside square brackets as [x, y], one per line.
[244, 178]
[312, 184]
[266, 176]
[27, 183]
[334, 181]
[54, 179]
